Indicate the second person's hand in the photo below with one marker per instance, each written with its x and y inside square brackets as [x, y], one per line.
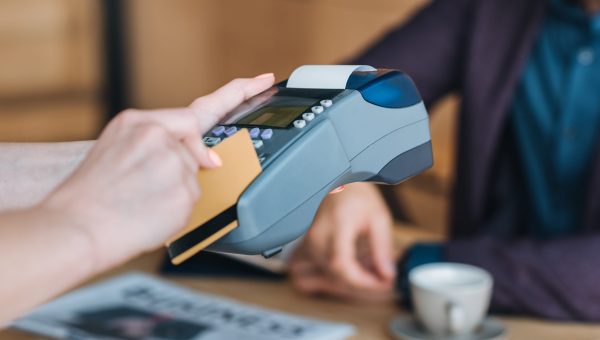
[348, 251]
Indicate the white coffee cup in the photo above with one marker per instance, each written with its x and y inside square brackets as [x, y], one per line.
[450, 298]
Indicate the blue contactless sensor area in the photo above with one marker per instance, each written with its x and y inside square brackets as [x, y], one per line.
[385, 88]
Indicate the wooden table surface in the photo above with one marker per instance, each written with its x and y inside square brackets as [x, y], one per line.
[371, 321]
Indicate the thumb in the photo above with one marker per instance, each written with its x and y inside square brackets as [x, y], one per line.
[183, 124]
[207, 157]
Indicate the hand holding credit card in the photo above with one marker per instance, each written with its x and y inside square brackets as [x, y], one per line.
[215, 215]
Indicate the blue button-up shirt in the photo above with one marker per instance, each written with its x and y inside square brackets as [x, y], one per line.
[556, 116]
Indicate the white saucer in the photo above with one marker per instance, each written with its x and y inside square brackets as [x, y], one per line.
[405, 327]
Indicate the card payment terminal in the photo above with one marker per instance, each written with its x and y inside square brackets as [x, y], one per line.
[324, 127]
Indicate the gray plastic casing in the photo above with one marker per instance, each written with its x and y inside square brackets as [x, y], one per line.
[352, 141]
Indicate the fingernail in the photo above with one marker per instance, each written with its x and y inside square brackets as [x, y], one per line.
[390, 268]
[265, 75]
[214, 157]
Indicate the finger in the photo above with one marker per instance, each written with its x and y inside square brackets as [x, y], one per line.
[383, 294]
[321, 284]
[211, 108]
[301, 262]
[189, 169]
[315, 245]
[298, 254]
[191, 183]
[346, 266]
[315, 248]
[300, 266]
[183, 124]
[381, 247]
[309, 277]
[191, 165]
[206, 157]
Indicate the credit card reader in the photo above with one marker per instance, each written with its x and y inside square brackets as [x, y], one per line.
[324, 127]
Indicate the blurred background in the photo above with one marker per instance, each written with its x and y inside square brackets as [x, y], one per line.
[68, 66]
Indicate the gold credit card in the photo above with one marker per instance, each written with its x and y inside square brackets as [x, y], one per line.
[215, 213]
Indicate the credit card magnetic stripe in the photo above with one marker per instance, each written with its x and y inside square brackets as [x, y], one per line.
[203, 233]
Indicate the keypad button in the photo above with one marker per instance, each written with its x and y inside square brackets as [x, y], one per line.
[308, 116]
[326, 102]
[317, 109]
[254, 132]
[266, 134]
[217, 131]
[300, 123]
[230, 131]
[211, 141]
[257, 143]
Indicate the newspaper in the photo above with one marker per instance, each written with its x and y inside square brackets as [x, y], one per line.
[139, 306]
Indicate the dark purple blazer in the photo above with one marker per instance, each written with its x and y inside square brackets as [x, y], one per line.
[478, 48]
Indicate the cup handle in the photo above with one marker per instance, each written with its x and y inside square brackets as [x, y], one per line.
[456, 318]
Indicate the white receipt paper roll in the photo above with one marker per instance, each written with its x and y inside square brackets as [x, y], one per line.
[324, 76]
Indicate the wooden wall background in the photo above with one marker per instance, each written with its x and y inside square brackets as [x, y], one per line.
[186, 47]
[49, 69]
[51, 72]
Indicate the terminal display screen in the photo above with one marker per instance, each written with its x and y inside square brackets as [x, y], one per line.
[269, 110]
[274, 116]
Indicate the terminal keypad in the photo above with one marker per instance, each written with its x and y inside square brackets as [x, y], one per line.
[260, 136]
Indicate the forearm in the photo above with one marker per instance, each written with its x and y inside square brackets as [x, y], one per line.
[43, 254]
[29, 171]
